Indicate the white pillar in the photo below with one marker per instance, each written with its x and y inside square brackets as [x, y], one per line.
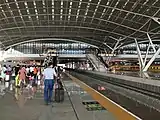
[146, 56]
[151, 43]
[139, 56]
[115, 47]
[151, 60]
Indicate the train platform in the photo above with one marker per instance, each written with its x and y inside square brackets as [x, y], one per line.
[145, 75]
[149, 84]
[78, 105]
[137, 96]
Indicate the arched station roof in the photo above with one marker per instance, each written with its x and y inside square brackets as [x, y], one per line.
[92, 21]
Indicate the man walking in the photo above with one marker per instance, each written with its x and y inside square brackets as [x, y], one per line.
[49, 74]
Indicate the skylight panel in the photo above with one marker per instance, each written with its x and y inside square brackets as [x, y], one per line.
[131, 8]
[117, 3]
[61, 12]
[52, 3]
[155, 2]
[125, 3]
[52, 9]
[61, 3]
[26, 5]
[147, 10]
[52, 17]
[3, 12]
[34, 3]
[43, 2]
[10, 10]
[79, 6]
[108, 2]
[61, 17]
[19, 11]
[44, 7]
[70, 9]
[113, 10]
[104, 10]
[96, 8]
[145, 2]
[111, 14]
[44, 10]
[35, 9]
[87, 9]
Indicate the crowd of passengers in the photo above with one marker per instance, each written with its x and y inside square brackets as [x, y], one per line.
[28, 75]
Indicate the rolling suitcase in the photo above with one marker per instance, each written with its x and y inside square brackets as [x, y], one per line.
[59, 92]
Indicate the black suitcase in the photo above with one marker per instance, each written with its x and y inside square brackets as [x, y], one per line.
[59, 92]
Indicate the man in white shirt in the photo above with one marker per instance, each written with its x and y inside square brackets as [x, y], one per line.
[49, 74]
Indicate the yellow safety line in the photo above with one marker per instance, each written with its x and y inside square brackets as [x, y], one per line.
[119, 112]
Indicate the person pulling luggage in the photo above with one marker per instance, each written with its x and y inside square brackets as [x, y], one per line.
[49, 80]
[59, 91]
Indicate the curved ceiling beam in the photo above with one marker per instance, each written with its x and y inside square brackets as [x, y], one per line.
[142, 26]
[94, 18]
[68, 27]
[148, 41]
[4, 18]
[129, 30]
[11, 23]
[44, 39]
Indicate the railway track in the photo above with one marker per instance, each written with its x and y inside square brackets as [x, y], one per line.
[129, 97]
[136, 89]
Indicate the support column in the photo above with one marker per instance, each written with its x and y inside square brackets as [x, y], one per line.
[156, 53]
[151, 43]
[146, 56]
[151, 60]
[115, 46]
[108, 58]
[141, 64]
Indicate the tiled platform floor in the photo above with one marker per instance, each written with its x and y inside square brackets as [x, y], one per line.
[34, 109]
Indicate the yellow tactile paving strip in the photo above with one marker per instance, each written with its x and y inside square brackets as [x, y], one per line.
[119, 112]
